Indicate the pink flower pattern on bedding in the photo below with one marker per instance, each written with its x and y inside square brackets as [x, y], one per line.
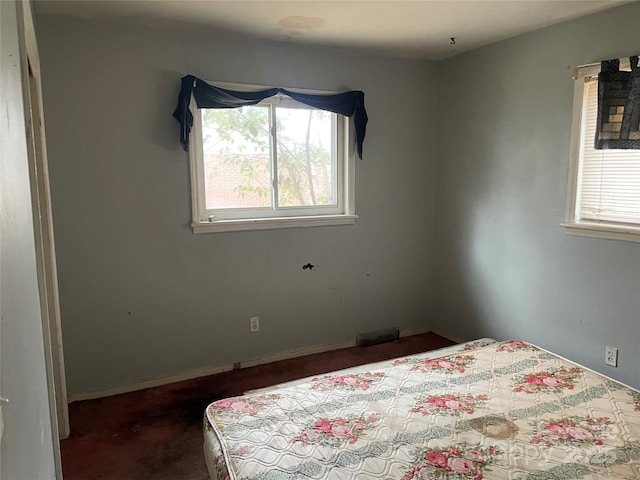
[505, 410]
[337, 431]
[361, 381]
[555, 380]
[448, 365]
[470, 346]
[515, 345]
[573, 431]
[448, 404]
[453, 462]
[244, 405]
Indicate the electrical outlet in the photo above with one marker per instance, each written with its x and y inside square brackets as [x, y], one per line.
[254, 325]
[611, 356]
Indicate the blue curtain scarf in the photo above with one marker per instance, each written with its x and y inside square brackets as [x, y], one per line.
[349, 104]
[618, 125]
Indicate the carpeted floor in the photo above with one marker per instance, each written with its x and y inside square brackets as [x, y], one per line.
[157, 433]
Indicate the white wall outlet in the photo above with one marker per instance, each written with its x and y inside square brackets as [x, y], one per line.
[254, 325]
[611, 356]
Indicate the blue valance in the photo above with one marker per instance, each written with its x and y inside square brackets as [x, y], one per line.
[349, 104]
[618, 125]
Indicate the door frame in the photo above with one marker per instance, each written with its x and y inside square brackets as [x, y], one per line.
[43, 225]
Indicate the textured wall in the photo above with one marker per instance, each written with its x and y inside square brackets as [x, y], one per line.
[504, 266]
[143, 297]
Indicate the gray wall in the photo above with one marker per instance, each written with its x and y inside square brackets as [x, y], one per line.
[504, 266]
[27, 449]
[143, 297]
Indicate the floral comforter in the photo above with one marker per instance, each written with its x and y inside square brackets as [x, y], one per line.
[505, 410]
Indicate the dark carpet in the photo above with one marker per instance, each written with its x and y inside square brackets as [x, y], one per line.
[157, 433]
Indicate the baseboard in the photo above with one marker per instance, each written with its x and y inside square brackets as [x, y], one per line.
[212, 370]
[453, 338]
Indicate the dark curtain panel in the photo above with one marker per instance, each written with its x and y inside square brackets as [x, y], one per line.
[349, 104]
[618, 125]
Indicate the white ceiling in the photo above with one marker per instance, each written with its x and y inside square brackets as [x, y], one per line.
[419, 29]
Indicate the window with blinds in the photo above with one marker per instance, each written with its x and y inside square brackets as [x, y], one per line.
[609, 180]
[604, 185]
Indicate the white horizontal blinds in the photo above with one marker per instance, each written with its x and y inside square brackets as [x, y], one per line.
[609, 182]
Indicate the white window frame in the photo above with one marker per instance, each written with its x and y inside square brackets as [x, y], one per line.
[573, 224]
[206, 221]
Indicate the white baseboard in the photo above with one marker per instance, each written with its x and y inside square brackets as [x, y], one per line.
[212, 370]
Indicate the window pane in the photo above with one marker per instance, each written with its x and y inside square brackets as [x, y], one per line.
[609, 184]
[307, 171]
[236, 157]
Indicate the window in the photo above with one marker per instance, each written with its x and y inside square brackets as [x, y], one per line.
[276, 164]
[604, 185]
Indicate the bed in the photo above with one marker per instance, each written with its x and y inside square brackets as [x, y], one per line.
[482, 409]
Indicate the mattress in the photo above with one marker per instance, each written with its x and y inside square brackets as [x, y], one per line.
[484, 409]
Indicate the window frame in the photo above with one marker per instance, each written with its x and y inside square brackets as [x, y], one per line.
[573, 224]
[206, 221]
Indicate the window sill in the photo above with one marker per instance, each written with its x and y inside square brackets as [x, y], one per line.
[607, 231]
[272, 223]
